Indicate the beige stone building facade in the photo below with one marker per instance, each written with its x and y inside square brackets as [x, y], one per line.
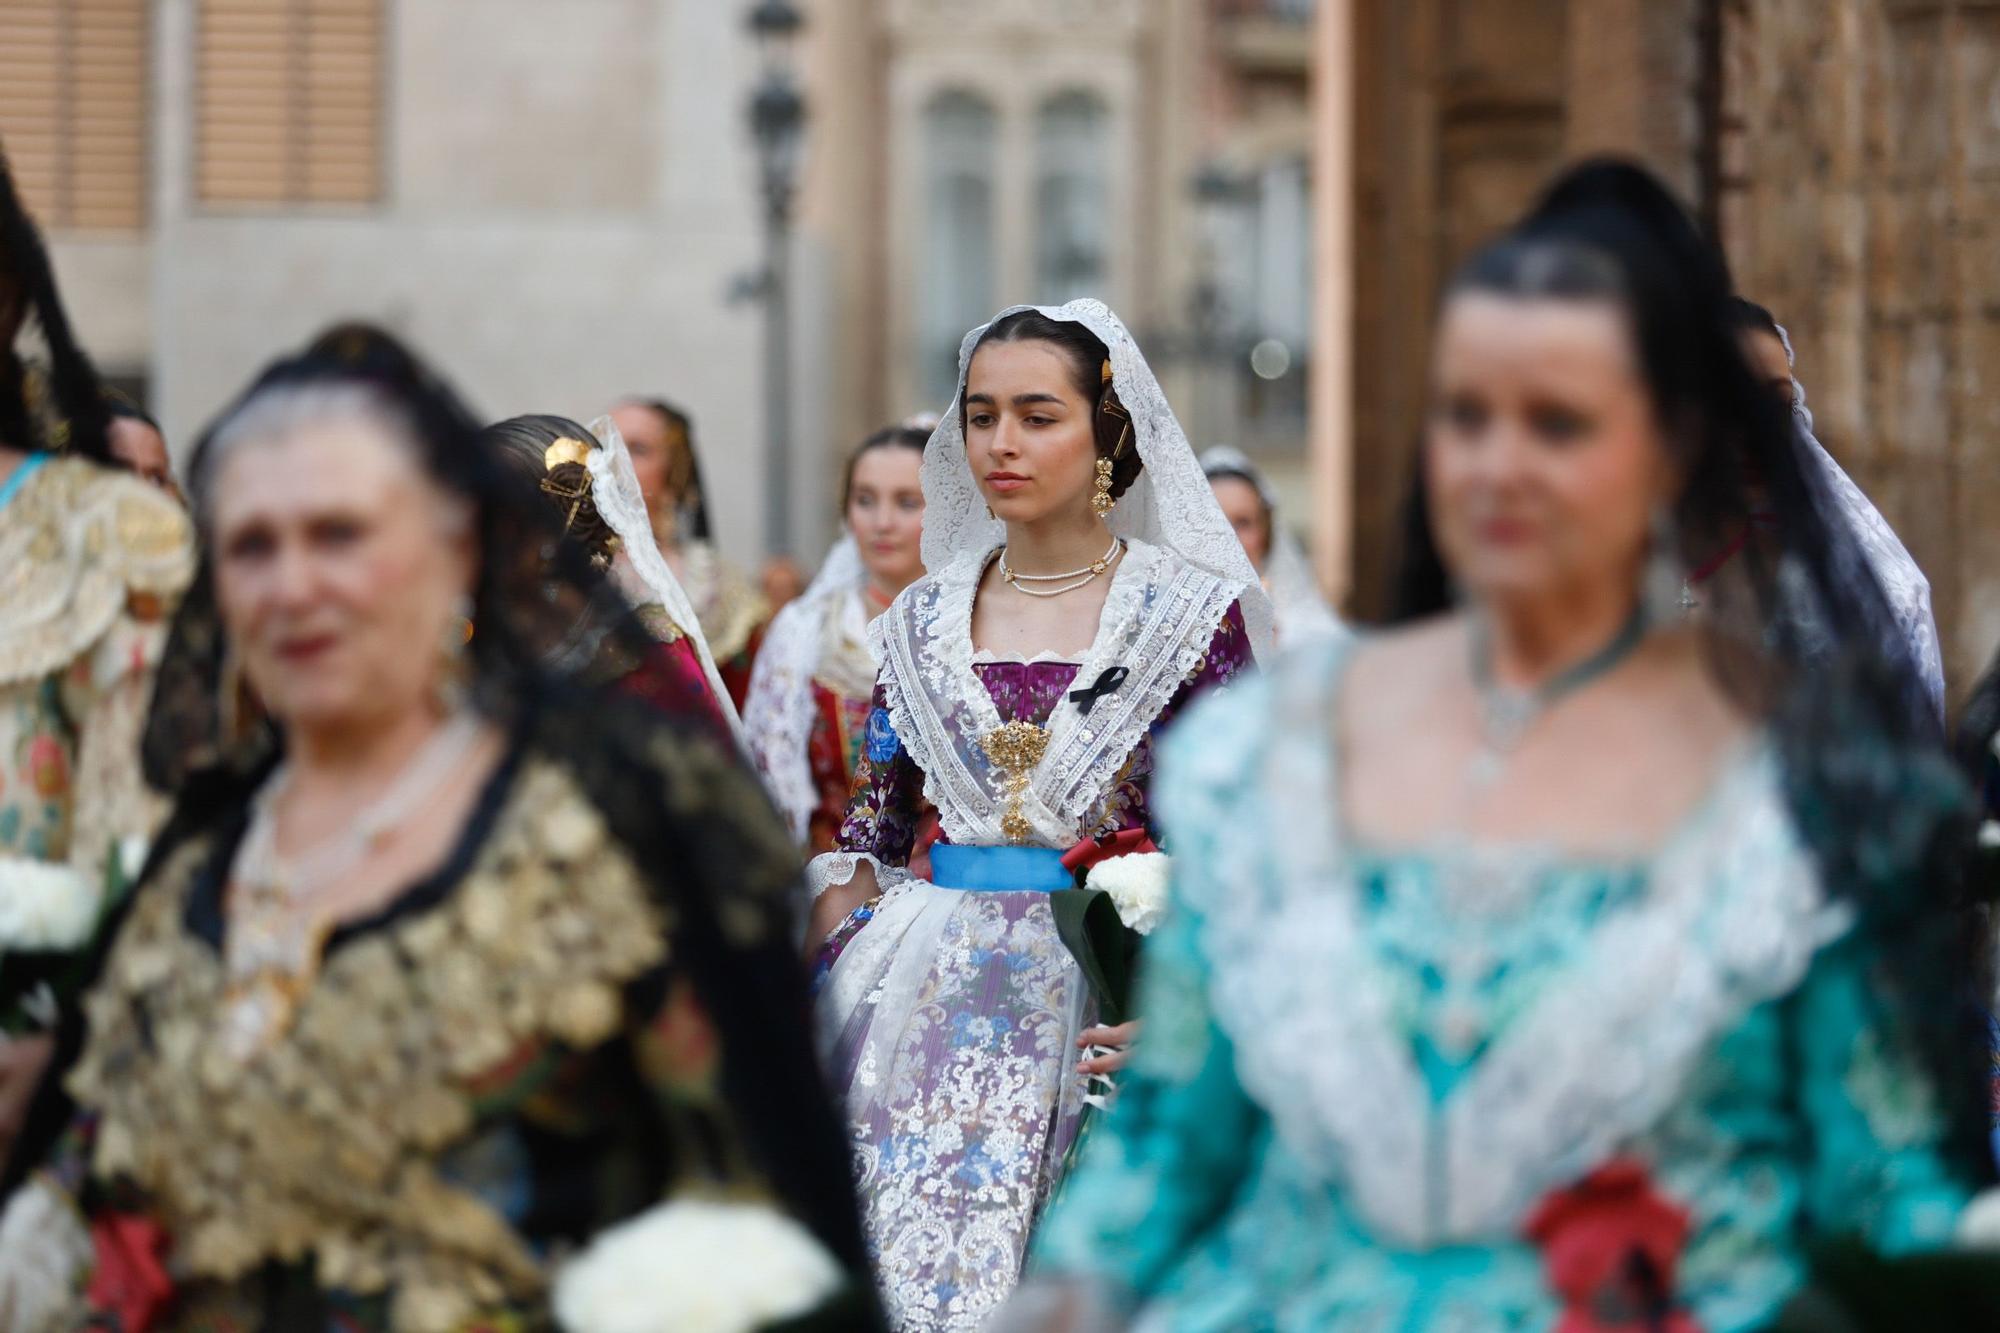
[551, 198]
[970, 154]
[559, 199]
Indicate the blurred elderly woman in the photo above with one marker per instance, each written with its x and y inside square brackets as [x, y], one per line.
[446, 966]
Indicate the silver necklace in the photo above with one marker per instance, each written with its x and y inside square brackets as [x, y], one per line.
[1071, 581]
[1506, 715]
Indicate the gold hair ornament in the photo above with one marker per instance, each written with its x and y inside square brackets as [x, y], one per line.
[577, 495]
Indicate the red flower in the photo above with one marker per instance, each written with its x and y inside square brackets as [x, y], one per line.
[129, 1281]
[1090, 851]
[1611, 1246]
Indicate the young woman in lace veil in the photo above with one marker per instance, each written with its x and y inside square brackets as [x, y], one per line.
[1083, 587]
[1554, 956]
[733, 613]
[587, 474]
[448, 963]
[1252, 508]
[92, 563]
[814, 683]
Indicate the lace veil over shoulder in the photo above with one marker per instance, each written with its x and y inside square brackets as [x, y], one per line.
[615, 487]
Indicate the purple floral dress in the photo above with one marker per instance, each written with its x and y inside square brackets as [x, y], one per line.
[950, 1016]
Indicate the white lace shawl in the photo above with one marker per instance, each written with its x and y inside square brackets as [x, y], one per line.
[1170, 505]
[1733, 916]
[778, 714]
[1297, 604]
[641, 572]
[1159, 618]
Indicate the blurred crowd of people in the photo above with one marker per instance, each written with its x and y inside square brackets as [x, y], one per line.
[440, 893]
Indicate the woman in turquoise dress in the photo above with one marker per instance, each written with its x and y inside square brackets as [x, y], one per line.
[1558, 960]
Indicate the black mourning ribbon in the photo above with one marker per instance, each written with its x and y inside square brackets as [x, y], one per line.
[1086, 699]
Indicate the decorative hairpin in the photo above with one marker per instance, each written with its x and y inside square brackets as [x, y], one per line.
[574, 494]
[566, 450]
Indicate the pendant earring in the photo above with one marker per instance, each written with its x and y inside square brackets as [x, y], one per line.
[1665, 591]
[454, 673]
[1100, 499]
[233, 704]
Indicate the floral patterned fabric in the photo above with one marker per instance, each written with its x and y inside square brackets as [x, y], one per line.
[950, 1018]
[91, 564]
[833, 752]
[1363, 1069]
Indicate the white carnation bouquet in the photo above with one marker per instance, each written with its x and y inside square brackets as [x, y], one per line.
[696, 1266]
[1137, 886]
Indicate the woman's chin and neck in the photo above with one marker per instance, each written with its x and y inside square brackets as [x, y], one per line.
[1540, 628]
[360, 742]
[1070, 537]
[885, 585]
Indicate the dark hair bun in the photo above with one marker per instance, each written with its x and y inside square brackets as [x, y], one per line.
[570, 486]
[1117, 440]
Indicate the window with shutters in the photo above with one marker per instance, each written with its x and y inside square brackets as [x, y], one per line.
[289, 102]
[73, 109]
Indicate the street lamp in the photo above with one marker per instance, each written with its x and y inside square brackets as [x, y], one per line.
[1218, 194]
[777, 122]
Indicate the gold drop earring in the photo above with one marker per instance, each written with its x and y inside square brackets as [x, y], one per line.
[1100, 500]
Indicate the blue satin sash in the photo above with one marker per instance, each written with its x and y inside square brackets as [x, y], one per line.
[999, 869]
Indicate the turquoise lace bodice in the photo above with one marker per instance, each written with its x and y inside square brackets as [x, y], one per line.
[1362, 1069]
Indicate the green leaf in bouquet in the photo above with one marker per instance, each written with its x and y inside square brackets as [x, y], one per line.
[1102, 944]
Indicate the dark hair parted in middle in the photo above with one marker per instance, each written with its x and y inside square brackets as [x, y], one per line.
[1089, 362]
[889, 437]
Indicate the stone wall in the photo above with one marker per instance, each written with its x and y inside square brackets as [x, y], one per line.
[1863, 206]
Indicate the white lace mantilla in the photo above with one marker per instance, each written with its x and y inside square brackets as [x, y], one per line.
[615, 489]
[1171, 504]
[1159, 618]
[778, 714]
[1731, 918]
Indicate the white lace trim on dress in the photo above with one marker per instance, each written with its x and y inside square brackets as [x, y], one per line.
[1732, 917]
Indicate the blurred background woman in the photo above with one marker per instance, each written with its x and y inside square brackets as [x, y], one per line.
[814, 682]
[1082, 588]
[733, 613]
[447, 965]
[586, 473]
[1555, 957]
[1252, 509]
[92, 561]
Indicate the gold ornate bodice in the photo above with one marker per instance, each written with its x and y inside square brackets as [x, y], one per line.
[328, 1143]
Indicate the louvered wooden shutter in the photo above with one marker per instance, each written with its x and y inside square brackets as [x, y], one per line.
[289, 101]
[73, 88]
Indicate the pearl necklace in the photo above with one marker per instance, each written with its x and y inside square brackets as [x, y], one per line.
[1074, 579]
[276, 933]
